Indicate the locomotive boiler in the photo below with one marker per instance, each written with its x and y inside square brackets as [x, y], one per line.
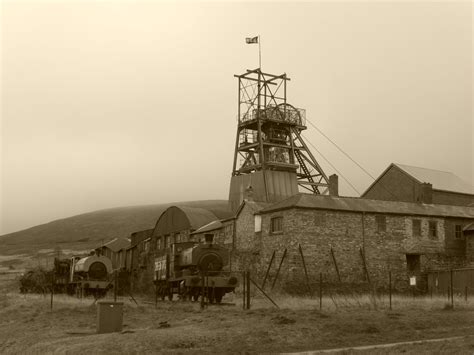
[83, 276]
[190, 270]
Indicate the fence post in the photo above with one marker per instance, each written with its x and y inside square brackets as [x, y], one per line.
[305, 272]
[268, 270]
[335, 264]
[115, 286]
[390, 288]
[52, 289]
[278, 271]
[202, 289]
[248, 289]
[452, 288]
[243, 289]
[465, 293]
[320, 291]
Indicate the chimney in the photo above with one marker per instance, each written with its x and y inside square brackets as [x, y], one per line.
[334, 185]
[426, 193]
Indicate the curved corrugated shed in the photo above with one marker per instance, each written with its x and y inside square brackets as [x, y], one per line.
[178, 218]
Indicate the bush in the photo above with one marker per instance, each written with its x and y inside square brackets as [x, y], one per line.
[36, 280]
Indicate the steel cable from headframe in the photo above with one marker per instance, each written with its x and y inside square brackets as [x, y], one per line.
[327, 161]
[348, 156]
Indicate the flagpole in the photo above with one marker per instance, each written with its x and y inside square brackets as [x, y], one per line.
[259, 54]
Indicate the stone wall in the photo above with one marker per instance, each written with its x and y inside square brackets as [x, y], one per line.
[350, 236]
[245, 229]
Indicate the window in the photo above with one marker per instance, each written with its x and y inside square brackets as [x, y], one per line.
[413, 262]
[147, 245]
[229, 230]
[320, 219]
[458, 231]
[258, 223]
[381, 223]
[167, 241]
[276, 225]
[433, 229]
[416, 227]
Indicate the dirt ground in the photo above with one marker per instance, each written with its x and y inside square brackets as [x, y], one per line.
[27, 325]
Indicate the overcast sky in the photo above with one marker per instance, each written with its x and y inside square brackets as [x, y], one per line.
[108, 104]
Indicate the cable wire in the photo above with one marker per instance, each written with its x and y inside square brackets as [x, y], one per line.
[340, 149]
[327, 161]
[348, 156]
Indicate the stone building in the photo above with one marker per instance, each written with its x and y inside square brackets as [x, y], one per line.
[413, 184]
[365, 238]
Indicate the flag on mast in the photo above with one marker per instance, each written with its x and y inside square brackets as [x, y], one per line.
[250, 40]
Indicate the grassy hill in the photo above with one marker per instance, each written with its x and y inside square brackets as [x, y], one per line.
[86, 231]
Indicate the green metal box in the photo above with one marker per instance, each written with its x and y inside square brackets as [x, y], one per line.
[109, 317]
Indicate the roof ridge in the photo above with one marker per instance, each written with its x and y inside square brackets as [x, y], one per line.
[420, 167]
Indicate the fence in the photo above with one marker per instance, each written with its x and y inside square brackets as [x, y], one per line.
[459, 280]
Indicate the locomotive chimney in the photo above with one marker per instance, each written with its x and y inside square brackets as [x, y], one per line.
[209, 238]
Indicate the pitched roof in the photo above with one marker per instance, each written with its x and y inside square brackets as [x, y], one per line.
[356, 204]
[117, 244]
[441, 180]
[469, 228]
[209, 227]
[137, 237]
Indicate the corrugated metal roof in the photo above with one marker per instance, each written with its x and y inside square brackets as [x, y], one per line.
[137, 237]
[441, 180]
[197, 217]
[209, 227]
[117, 244]
[355, 204]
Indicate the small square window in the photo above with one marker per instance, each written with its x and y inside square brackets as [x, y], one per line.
[381, 223]
[276, 225]
[433, 229]
[416, 227]
[458, 231]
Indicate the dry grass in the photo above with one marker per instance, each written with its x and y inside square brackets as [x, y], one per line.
[361, 302]
[27, 325]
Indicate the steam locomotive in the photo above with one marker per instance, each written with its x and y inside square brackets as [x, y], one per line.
[191, 270]
[83, 276]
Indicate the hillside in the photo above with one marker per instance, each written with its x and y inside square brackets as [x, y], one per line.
[87, 230]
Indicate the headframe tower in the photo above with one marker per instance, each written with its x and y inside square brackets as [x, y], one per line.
[270, 154]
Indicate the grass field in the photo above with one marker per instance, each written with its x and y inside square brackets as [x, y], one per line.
[27, 325]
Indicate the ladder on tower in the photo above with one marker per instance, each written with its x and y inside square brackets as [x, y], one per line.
[306, 171]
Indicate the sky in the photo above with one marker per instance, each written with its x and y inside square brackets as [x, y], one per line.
[117, 103]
